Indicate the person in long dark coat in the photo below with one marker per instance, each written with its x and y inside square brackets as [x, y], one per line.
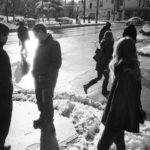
[6, 89]
[122, 110]
[105, 28]
[102, 63]
[131, 32]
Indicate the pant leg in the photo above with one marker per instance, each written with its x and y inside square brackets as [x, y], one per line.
[95, 80]
[120, 142]
[108, 137]
[47, 96]
[106, 80]
[5, 115]
[38, 93]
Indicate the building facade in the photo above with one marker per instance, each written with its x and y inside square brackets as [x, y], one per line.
[116, 9]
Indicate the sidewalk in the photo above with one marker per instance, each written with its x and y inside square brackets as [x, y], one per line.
[22, 135]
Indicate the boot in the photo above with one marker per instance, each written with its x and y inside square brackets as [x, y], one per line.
[85, 87]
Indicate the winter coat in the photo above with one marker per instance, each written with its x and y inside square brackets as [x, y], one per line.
[106, 54]
[5, 69]
[121, 112]
[102, 32]
[48, 58]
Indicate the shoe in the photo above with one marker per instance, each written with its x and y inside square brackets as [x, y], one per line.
[8, 147]
[38, 123]
[85, 88]
[105, 93]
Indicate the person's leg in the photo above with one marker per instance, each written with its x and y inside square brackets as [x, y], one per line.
[93, 81]
[106, 140]
[108, 137]
[120, 142]
[5, 117]
[105, 92]
[39, 122]
[47, 96]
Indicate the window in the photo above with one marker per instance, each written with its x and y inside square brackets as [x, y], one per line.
[101, 4]
[121, 2]
[90, 5]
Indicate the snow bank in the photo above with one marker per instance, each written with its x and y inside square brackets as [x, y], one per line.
[86, 117]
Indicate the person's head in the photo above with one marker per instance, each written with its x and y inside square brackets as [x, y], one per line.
[40, 31]
[21, 23]
[108, 24]
[108, 36]
[125, 49]
[130, 31]
[4, 30]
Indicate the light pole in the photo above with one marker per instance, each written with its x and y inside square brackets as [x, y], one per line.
[42, 11]
[97, 11]
[84, 6]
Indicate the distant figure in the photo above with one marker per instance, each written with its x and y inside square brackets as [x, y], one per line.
[45, 72]
[130, 31]
[77, 19]
[122, 110]
[23, 36]
[103, 30]
[6, 89]
[102, 63]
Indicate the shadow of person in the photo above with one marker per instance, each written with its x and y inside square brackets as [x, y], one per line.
[48, 139]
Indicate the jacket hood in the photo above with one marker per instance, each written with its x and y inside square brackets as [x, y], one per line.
[128, 66]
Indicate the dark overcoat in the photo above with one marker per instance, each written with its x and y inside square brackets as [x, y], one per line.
[121, 112]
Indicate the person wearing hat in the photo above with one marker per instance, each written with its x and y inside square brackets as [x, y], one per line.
[105, 28]
[130, 31]
[23, 36]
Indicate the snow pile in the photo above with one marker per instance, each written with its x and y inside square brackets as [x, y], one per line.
[145, 51]
[86, 116]
[145, 30]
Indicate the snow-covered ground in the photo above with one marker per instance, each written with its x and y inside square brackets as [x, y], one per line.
[86, 115]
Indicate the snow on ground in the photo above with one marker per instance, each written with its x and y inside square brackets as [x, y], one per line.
[86, 116]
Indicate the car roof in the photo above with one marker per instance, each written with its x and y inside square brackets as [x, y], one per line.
[135, 18]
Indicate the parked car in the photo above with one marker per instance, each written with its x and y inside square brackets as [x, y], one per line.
[135, 21]
[64, 20]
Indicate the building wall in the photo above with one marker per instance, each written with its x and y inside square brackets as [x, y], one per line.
[118, 9]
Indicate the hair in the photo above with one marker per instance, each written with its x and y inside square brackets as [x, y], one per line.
[21, 23]
[125, 51]
[108, 36]
[4, 30]
[39, 27]
[130, 31]
[108, 24]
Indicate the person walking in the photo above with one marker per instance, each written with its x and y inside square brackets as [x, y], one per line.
[122, 110]
[105, 28]
[6, 89]
[45, 72]
[130, 31]
[23, 36]
[102, 63]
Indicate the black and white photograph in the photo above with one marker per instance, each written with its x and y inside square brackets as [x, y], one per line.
[74, 74]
